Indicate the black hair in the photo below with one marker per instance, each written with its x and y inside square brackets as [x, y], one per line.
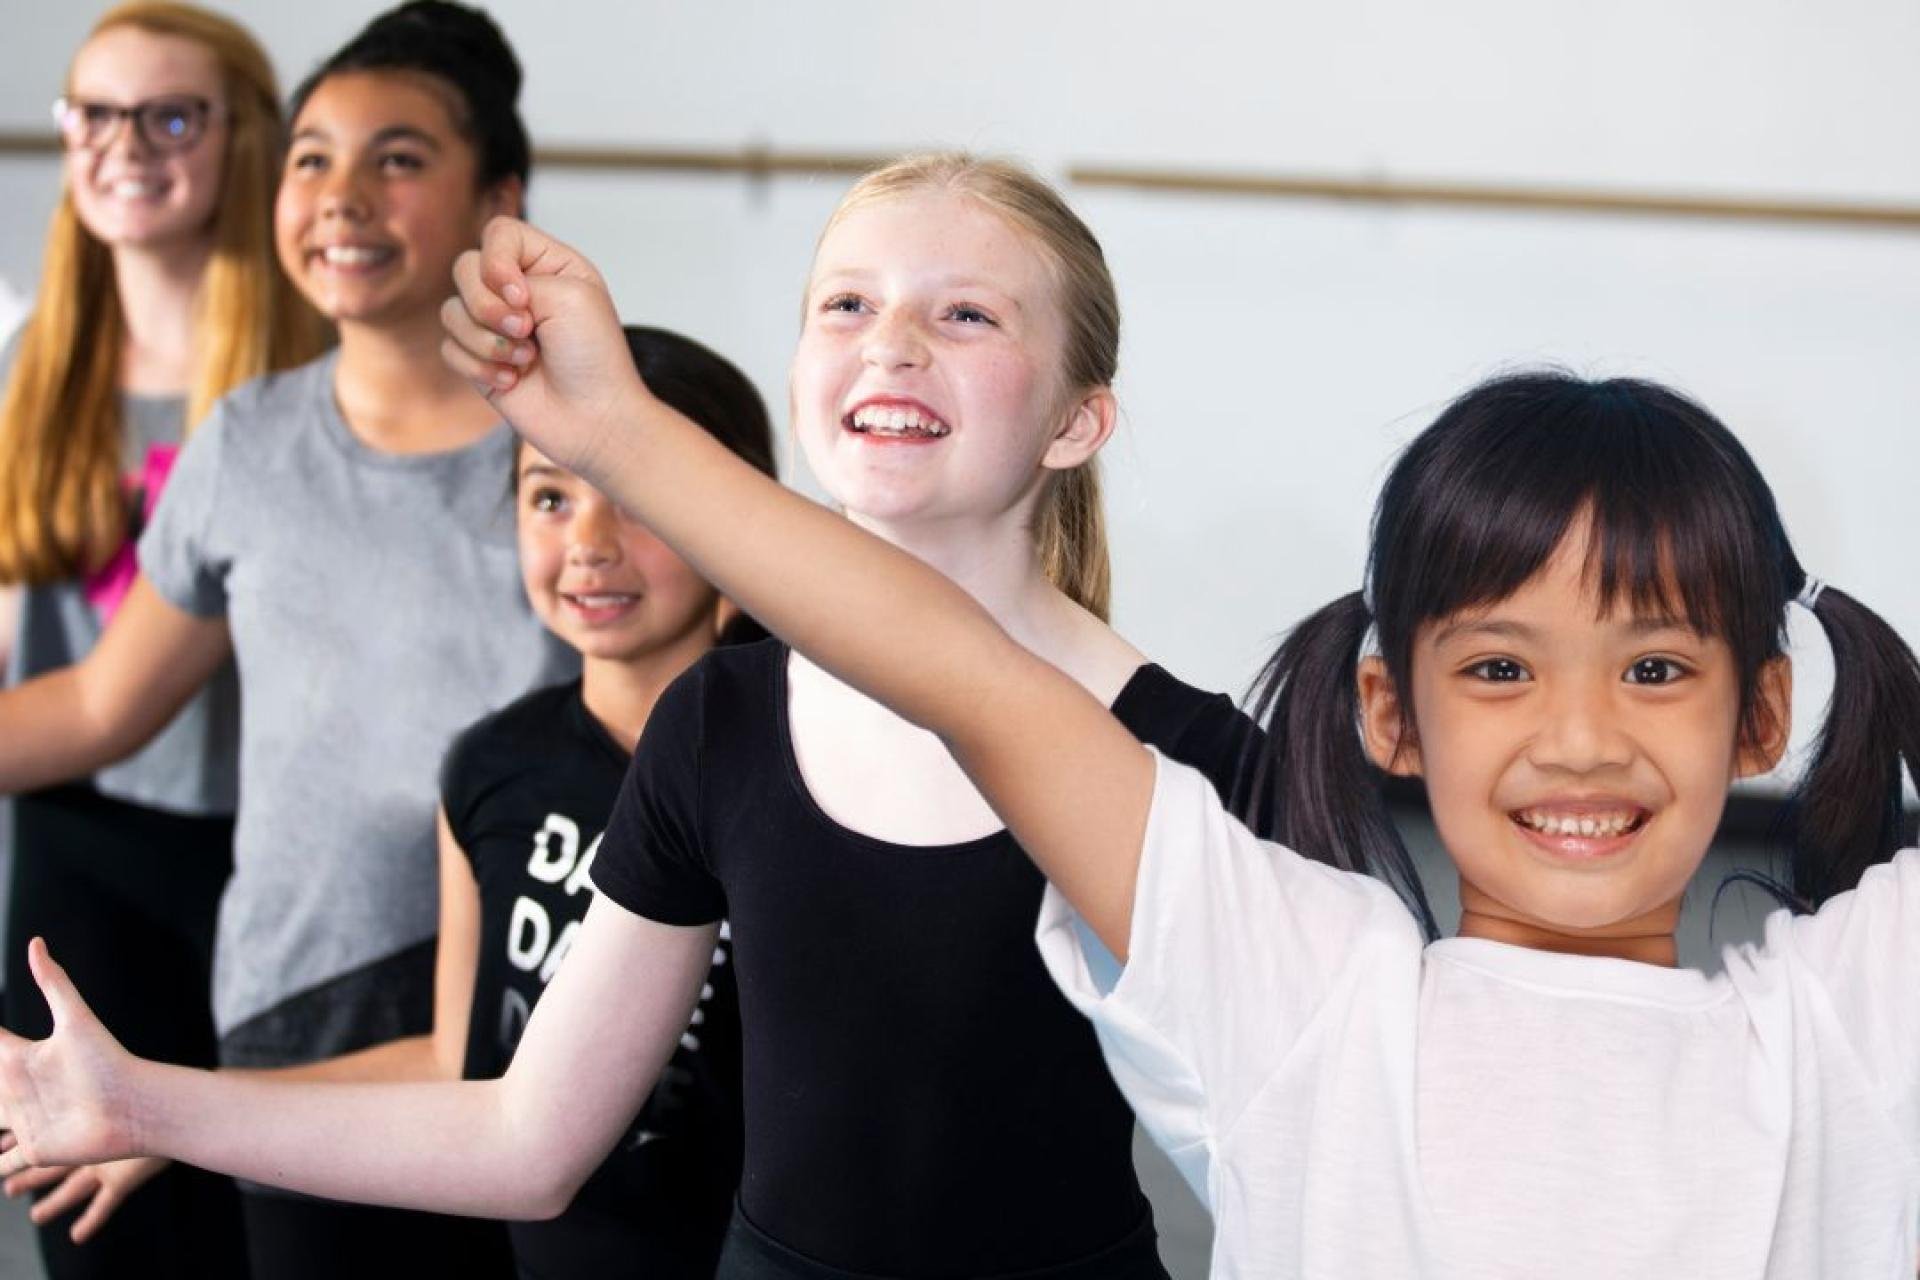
[708, 388]
[1682, 525]
[464, 50]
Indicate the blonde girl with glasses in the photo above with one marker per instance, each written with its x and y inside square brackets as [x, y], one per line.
[158, 294]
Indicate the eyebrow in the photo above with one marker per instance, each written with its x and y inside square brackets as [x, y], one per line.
[961, 282]
[392, 133]
[542, 469]
[1521, 631]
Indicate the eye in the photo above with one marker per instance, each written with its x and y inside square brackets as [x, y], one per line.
[967, 313]
[546, 501]
[306, 162]
[1498, 671]
[98, 115]
[401, 162]
[173, 120]
[1655, 671]
[849, 303]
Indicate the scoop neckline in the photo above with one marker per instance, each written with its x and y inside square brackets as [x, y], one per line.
[790, 763]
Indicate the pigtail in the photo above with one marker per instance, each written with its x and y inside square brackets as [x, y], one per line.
[1314, 778]
[1848, 812]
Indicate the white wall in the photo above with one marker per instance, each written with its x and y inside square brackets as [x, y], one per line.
[1277, 353]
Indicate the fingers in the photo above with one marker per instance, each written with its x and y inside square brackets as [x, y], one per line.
[33, 1180]
[63, 999]
[74, 1190]
[484, 303]
[507, 247]
[102, 1207]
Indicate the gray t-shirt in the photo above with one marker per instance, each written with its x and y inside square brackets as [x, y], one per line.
[376, 609]
[190, 766]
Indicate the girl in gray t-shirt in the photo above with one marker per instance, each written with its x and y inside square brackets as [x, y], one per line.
[344, 531]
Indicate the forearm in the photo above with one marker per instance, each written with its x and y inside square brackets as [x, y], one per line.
[52, 732]
[407, 1061]
[675, 476]
[454, 1147]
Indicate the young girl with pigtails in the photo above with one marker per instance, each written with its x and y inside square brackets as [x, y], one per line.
[918, 1098]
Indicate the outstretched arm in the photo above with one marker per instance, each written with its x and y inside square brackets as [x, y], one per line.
[534, 327]
[518, 1147]
[66, 724]
[98, 1190]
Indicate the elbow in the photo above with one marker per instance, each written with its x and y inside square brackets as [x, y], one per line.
[549, 1195]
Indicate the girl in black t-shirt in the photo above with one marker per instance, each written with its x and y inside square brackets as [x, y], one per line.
[525, 794]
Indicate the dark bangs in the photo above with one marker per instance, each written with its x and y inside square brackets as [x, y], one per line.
[1683, 526]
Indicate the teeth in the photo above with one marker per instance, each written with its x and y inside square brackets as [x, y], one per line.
[1586, 825]
[604, 602]
[133, 189]
[341, 255]
[895, 421]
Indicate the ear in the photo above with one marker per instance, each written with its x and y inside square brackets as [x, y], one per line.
[1090, 421]
[506, 198]
[1772, 720]
[1384, 727]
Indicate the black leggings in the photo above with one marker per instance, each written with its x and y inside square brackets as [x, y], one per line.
[300, 1239]
[125, 897]
[750, 1254]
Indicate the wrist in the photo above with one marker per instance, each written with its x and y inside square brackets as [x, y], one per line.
[142, 1110]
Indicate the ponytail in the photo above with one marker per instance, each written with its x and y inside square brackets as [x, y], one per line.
[1070, 534]
[1314, 778]
[1847, 812]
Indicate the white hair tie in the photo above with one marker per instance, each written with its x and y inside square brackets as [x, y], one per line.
[1810, 593]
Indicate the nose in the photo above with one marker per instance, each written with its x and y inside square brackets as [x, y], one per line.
[1580, 730]
[342, 193]
[896, 340]
[593, 534]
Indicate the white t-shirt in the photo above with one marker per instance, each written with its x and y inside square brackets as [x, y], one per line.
[1352, 1103]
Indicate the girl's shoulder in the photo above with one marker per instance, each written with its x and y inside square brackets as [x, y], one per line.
[256, 420]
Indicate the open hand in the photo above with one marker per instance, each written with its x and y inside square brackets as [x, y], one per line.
[533, 327]
[63, 1099]
[95, 1189]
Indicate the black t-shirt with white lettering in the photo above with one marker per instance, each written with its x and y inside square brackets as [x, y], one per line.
[527, 793]
[920, 1100]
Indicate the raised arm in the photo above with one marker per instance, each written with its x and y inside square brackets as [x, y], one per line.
[66, 724]
[535, 328]
[518, 1147]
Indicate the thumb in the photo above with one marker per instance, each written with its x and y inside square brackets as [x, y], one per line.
[63, 998]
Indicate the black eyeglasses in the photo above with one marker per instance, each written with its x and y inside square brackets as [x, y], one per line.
[164, 124]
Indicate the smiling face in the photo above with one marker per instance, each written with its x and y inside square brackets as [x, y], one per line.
[379, 198]
[927, 382]
[125, 192]
[599, 580]
[1576, 758]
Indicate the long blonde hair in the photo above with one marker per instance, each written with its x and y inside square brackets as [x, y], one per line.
[1070, 531]
[62, 507]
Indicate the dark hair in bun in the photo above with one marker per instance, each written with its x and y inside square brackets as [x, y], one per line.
[463, 49]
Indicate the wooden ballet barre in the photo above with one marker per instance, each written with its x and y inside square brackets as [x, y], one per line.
[752, 161]
[1493, 196]
[767, 162]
